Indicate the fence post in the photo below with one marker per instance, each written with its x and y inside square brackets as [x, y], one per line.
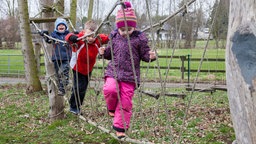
[188, 70]
[182, 68]
[9, 64]
[37, 48]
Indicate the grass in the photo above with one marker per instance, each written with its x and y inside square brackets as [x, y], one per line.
[14, 65]
[24, 118]
[11, 61]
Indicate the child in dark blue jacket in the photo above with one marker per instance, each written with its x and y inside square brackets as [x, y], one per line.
[61, 54]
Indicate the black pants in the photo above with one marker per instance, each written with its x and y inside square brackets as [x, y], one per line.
[62, 73]
[79, 89]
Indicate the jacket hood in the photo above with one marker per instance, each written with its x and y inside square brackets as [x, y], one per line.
[60, 21]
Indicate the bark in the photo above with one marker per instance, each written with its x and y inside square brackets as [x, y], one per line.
[56, 102]
[241, 69]
[60, 8]
[90, 10]
[73, 7]
[31, 73]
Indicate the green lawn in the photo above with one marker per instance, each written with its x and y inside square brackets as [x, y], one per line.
[12, 63]
[24, 118]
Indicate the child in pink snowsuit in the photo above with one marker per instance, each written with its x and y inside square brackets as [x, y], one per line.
[120, 81]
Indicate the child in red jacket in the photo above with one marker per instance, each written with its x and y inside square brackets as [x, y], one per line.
[84, 54]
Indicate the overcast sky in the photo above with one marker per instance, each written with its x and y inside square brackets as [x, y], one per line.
[165, 7]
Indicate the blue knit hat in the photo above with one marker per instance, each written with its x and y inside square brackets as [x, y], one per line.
[60, 21]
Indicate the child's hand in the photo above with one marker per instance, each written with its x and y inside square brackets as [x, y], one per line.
[101, 50]
[42, 32]
[76, 32]
[73, 38]
[152, 55]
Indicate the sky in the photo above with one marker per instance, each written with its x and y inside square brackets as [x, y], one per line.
[165, 8]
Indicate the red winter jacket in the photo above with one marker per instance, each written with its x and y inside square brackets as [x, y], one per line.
[79, 61]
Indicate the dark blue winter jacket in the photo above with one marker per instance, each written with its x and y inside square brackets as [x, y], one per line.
[61, 51]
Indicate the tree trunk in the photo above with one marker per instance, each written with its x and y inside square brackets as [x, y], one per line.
[56, 102]
[60, 8]
[217, 42]
[157, 8]
[90, 10]
[241, 69]
[1, 44]
[73, 6]
[31, 73]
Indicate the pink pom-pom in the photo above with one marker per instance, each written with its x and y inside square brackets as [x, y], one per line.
[128, 4]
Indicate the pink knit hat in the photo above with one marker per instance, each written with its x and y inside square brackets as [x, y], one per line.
[129, 15]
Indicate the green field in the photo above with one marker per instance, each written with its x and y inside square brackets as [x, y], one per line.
[11, 64]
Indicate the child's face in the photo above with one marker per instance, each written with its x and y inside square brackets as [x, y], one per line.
[61, 28]
[90, 39]
[123, 33]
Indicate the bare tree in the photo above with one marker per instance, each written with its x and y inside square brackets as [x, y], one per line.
[73, 7]
[32, 78]
[199, 19]
[97, 9]
[220, 17]
[90, 10]
[82, 9]
[59, 7]
[186, 23]
[7, 7]
[10, 31]
[1, 33]
[157, 8]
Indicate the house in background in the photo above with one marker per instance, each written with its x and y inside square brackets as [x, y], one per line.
[203, 34]
[165, 33]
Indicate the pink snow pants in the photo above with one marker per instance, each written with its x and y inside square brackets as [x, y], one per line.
[123, 109]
